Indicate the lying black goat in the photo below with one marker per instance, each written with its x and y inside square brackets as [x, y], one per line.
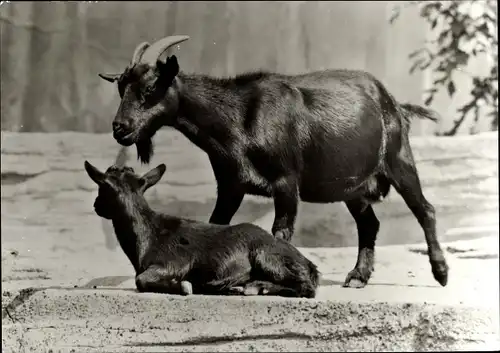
[180, 256]
[321, 137]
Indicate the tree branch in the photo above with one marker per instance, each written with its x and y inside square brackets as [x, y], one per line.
[462, 36]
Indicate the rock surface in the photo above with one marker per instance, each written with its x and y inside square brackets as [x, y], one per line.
[401, 309]
[52, 241]
[45, 171]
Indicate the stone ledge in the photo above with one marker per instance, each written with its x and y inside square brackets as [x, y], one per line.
[124, 321]
[402, 308]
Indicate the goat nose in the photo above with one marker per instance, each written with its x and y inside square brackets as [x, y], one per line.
[117, 126]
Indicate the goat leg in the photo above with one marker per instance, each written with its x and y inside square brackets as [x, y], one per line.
[368, 226]
[158, 279]
[268, 288]
[285, 194]
[407, 183]
[228, 201]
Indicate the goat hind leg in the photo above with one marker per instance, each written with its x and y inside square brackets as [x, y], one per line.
[233, 284]
[268, 288]
[367, 226]
[158, 279]
[407, 183]
[279, 274]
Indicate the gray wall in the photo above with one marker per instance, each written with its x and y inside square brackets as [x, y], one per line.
[52, 52]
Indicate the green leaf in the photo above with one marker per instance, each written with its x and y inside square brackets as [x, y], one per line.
[483, 28]
[394, 16]
[425, 66]
[457, 28]
[494, 71]
[440, 81]
[416, 52]
[443, 36]
[425, 11]
[415, 65]
[434, 23]
[461, 57]
[451, 88]
[443, 51]
[443, 66]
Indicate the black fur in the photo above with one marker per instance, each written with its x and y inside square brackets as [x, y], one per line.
[215, 259]
[322, 137]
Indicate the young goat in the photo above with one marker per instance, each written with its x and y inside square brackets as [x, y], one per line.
[320, 137]
[172, 254]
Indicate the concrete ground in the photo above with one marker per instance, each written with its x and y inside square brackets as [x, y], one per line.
[67, 287]
[402, 308]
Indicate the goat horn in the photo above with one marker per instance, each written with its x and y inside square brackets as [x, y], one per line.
[139, 51]
[154, 51]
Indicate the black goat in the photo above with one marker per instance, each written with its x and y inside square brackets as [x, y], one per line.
[181, 256]
[321, 137]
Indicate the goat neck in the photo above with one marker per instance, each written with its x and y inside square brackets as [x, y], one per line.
[135, 224]
[208, 112]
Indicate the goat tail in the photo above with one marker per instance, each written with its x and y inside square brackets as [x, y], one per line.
[410, 110]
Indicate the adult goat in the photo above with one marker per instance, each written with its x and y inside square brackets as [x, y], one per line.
[320, 137]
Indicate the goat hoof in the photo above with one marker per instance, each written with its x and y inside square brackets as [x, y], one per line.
[236, 290]
[283, 234]
[354, 283]
[258, 288]
[440, 272]
[355, 279]
[252, 290]
[186, 288]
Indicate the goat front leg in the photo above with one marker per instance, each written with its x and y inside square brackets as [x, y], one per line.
[229, 199]
[157, 279]
[286, 199]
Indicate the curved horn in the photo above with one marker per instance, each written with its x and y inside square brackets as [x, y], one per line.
[153, 52]
[138, 52]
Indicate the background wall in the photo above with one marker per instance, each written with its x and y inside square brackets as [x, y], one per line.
[52, 51]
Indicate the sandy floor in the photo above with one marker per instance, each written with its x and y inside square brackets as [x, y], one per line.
[51, 237]
[48, 219]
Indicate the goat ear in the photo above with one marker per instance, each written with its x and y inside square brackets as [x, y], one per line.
[169, 69]
[152, 177]
[110, 77]
[94, 173]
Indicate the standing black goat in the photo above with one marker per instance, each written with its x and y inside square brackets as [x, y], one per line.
[320, 137]
[181, 256]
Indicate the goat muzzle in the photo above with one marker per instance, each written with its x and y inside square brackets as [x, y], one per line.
[123, 133]
[120, 127]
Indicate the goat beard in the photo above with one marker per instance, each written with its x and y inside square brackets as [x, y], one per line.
[145, 150]
[144, 145]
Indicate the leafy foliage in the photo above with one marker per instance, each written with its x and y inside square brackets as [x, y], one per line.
[464, 29]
